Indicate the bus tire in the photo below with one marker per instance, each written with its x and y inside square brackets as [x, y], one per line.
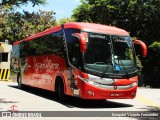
[19, 81]
[60, 91]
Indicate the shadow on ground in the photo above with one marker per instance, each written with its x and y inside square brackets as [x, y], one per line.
[149, 113]
[73, 102]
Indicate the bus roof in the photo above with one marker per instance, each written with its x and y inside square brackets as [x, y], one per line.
[98, 28]
[89, 27]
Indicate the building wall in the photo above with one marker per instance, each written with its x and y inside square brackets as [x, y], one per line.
[5, 65]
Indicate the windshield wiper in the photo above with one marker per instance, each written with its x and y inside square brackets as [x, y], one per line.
[102, 63]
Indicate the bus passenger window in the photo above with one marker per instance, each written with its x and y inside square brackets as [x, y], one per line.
[76, 54]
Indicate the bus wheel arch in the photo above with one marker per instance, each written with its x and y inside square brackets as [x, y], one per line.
[60, 88]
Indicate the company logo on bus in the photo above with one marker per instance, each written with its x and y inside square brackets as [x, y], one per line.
[115, 87]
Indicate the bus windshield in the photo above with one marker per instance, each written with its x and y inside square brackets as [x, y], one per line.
[109, 54]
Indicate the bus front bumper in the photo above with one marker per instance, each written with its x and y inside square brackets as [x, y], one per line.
[88, 91]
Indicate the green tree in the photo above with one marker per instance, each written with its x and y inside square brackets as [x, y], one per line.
[3, 19]
[22, 2]
[15, 26]
[152, 66]
[19, 26]
[65, 20]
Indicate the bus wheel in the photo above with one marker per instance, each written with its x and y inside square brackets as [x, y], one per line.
[62, 97]
[19, 80]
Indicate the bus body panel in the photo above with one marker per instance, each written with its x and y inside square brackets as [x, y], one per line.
[41, 72]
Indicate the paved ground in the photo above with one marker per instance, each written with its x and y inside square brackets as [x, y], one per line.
[32, 99]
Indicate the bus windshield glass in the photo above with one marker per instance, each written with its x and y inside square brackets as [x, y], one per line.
[109, 54]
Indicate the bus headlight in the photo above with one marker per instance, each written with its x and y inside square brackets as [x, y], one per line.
[91, 82]
[83, 79]
[86, 80]
[96, 81]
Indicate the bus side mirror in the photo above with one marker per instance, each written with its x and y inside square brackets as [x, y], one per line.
[143, 46]
[82, 41]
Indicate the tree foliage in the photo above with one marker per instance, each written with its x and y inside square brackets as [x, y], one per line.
[152, 66]
[65, 20]
[155, 47]
[18, 26]
[154, 60]
[15, 25]
[3, 17]
[21, 2]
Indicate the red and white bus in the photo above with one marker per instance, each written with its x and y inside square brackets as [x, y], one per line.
[86, 60]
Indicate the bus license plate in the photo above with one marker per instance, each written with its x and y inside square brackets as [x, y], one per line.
[115, 94]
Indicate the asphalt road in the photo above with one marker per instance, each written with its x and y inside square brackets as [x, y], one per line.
[31, 99]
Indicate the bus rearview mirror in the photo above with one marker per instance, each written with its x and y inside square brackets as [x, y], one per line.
[82, 41]
[143, 46]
